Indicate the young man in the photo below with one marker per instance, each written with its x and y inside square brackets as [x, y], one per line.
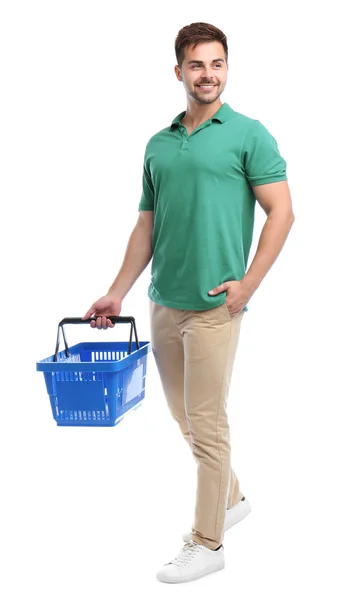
[201, 178]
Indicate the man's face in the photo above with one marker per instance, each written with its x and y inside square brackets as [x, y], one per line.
[200, 66]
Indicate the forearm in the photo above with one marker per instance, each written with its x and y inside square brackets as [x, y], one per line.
[138, 254]
[271, 241]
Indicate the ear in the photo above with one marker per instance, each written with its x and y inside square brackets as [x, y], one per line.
[178, 72]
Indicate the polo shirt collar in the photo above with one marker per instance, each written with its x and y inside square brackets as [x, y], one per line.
[221, 115]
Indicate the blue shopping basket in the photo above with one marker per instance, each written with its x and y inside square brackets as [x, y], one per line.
[95, 383]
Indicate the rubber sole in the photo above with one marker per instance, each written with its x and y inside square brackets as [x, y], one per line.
[187, 579]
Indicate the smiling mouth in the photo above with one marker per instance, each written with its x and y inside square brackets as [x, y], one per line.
[207, 86]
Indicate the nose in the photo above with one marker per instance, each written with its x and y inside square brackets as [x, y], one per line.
[207, 74]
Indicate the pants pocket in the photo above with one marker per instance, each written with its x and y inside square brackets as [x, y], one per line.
[226, 312]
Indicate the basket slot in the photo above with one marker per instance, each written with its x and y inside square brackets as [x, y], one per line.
[79, 376]
[83, 415]
[101, 356]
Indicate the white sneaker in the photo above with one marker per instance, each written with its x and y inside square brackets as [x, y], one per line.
[233, 515]
[194, 561]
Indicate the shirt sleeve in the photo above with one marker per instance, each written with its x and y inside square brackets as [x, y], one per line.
[262, 160]
[147, 197]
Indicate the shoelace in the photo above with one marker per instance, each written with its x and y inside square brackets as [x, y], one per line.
[187, 553]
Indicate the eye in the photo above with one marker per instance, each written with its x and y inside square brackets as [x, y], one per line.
[198, 66]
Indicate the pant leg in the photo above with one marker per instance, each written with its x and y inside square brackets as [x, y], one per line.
[168, 350]
[210, 340]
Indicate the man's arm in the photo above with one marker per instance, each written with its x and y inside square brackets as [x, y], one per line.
[138, 254]
[275, 199]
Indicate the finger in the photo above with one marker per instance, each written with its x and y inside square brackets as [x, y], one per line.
[88, 314]
[99, 322]
[110, 323]
[217, 290]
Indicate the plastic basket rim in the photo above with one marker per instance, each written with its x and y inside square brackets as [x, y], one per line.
[46, 364]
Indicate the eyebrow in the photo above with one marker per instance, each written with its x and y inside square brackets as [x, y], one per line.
[200, 62]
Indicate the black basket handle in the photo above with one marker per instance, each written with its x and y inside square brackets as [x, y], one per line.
[78, 320]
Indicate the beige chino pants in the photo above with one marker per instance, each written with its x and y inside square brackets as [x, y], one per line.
[194, 352]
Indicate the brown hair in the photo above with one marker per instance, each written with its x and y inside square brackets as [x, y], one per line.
[194, 34]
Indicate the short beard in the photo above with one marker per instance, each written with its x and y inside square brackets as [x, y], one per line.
[203, 100]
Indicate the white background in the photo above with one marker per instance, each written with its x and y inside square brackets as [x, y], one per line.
[90, 512]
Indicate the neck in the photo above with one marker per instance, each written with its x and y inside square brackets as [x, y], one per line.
[197, 113]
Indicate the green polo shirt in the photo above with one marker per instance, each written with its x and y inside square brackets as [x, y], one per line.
[200, 189]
